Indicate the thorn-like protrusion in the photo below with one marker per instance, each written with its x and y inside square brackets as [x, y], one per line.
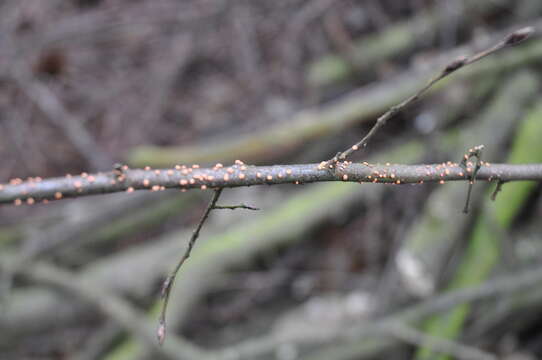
[497, 190]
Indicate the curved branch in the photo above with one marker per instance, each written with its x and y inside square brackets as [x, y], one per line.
[168, 283]
[44, 190]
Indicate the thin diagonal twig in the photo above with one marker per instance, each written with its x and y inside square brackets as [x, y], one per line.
[168, 283]
[462, 61]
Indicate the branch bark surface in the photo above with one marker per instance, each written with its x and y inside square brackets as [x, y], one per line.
[35, 190]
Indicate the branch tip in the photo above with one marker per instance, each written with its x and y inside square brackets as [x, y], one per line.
[161, 332]
[519, 36]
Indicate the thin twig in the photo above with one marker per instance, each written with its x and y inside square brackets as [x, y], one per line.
[233, 207]
[497, 190]
[168, 283]
[475, 152]
[462, 61]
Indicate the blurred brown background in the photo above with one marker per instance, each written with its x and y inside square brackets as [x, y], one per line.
[88, 83]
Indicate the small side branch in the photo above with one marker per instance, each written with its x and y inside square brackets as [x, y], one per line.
[233, 207]
[497, 190]
[512, 39]
[475, 152]
[168, 283]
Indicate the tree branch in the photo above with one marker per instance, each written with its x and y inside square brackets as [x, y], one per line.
[462, 61]
[168, 283]
[35, 190]
[234, 207]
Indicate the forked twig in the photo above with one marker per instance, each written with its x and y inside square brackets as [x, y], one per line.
[462, 61]
[168, 283]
